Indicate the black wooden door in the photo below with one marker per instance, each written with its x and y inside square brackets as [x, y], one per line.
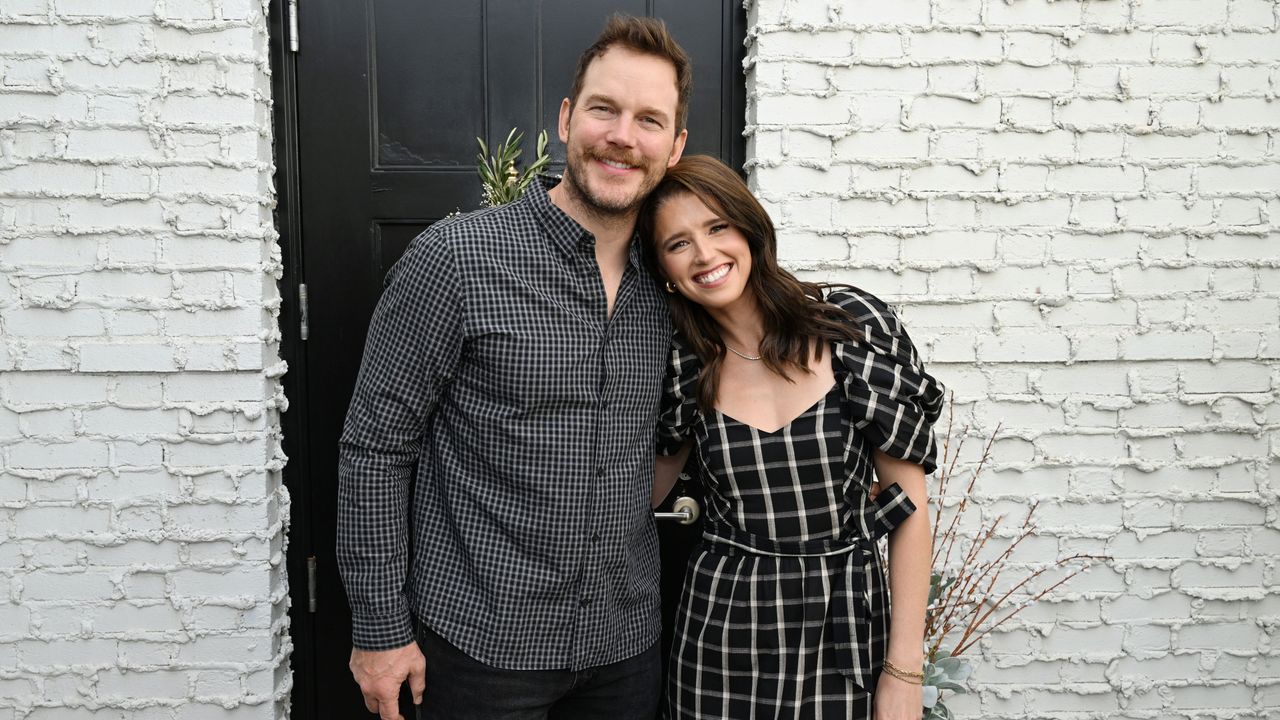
[388, 99]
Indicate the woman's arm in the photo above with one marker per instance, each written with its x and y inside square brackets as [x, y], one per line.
[666, 469]
[910, 558]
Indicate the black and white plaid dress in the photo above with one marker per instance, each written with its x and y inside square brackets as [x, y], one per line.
[785, 608]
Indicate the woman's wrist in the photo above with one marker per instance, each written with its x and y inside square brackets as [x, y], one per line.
[907, 660]
[909, 674]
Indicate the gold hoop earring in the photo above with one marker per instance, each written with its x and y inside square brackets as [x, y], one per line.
[671, 287]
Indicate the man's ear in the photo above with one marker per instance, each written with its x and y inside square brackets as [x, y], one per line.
[566, 109]
[677, 148]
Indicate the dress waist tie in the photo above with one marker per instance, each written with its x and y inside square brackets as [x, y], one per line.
[850, 602]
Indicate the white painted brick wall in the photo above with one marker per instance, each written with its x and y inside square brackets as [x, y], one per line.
[141, 508]
[1075, 205]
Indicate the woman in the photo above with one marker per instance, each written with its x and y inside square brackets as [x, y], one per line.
[791, 399]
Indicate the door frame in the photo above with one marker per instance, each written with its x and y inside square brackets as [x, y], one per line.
[288, 221]
[293, 426]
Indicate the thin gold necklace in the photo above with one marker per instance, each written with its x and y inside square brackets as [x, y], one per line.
[744, 356]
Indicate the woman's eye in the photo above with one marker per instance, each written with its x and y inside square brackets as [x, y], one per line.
[719, 227]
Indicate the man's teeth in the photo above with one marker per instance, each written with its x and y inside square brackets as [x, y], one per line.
[616, 164]
[712, 276]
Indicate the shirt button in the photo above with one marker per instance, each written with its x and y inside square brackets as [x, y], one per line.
[584, 602]
[595, 537]
[600, 471]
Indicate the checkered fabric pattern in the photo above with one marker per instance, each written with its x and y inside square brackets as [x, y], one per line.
[497, 456]
[785, 610]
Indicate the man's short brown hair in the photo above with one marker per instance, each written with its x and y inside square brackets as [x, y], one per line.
[643, 35]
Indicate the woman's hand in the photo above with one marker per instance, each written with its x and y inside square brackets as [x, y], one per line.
[896, 699]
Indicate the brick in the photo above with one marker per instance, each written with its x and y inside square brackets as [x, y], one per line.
[943, 112]
[103, 144]
[91, 214]
[1182, 13]
[1162, 345]
[860, 212]
[950, 47]
[1166, 147]
[127, 357]
[872, 112]
[871, 12]
[1006, 79]
[830, 45]
[1178, 81]
[208, 110]
[1139, 282]
[1034, 13]
[78, 453]
[46, 585]
[947, 178]
[1241, 211]
[1232, 247]
[864, 78]
[189, 9]
[1246, 47]
[241, 582]
[226, 452]
[1166, 212]
[1254, 179]
[1022, 282]
[136, 619]
[885, 143]
[1104, 115]
[1016, 346]
[1094, 179]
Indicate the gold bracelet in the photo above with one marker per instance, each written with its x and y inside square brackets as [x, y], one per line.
[914, 678]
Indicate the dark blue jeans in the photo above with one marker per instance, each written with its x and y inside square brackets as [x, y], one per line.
[461, 688]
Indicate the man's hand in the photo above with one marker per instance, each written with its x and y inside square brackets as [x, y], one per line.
[380, 673]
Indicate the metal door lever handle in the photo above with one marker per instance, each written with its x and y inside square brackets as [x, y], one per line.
[684, 511]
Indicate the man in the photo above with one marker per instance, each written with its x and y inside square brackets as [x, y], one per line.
[514, 364]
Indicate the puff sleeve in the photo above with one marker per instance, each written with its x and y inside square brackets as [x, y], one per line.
[678, 408]
[893, 401]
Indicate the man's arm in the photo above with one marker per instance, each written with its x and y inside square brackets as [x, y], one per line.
[413, 347]
[666, 470]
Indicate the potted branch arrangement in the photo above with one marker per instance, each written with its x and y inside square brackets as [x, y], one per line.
[965, 601]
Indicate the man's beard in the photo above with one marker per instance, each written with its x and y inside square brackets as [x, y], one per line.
[602, 206]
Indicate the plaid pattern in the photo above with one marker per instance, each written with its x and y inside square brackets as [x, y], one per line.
[785, 611]
[493, 375]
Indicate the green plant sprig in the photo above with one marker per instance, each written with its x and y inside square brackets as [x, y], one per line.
[501, 180]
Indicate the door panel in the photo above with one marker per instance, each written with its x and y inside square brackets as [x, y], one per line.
[390, 96]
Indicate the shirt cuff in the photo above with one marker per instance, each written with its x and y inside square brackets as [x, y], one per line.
[382, 632]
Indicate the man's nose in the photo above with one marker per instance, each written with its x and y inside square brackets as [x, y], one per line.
[622, 132]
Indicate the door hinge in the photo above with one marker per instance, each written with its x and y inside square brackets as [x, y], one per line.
[311, 584]
[304, 319]
[293, 25]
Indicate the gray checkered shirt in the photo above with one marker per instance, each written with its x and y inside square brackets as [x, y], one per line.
[497, 457]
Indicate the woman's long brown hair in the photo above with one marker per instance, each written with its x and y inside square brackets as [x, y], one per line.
[795, 316]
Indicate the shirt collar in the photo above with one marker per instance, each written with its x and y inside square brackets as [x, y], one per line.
[563, 231]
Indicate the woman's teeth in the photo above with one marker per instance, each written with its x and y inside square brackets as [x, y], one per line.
[712, 276]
